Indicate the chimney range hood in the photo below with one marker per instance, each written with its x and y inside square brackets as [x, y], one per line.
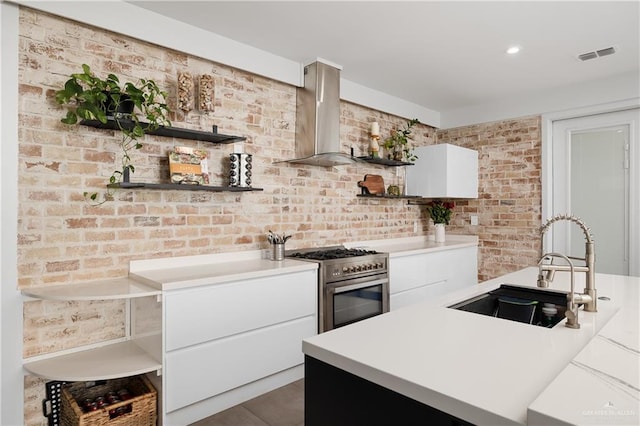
[318, 118]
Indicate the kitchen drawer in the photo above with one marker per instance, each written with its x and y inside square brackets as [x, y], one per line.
[203, 371]
[418, 294]
[199, 315]
[416, 270]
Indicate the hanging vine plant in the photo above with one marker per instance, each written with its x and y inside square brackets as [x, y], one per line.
[88, 97]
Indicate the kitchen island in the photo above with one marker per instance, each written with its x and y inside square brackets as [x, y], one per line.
[483, 370]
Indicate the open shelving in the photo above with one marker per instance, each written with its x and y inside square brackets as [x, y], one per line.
[385, 161]
[182, 187]
[175, 132]
[409, 197]
[172, 132]
[120, 357]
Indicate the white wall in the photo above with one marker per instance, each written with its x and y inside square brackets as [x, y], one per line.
[11, 376]
[361, 95]
[618, 88]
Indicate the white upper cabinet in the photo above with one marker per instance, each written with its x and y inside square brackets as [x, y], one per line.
[444, 171]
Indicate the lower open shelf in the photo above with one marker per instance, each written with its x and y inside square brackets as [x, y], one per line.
[111, 361]
[182, 187]
[409, 197]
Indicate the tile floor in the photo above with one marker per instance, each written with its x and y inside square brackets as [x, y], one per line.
[281, 407]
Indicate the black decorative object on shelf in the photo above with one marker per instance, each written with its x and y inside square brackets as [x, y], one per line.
[172, 132]
[384, 161]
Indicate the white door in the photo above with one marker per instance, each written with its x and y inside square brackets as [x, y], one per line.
[595, 161]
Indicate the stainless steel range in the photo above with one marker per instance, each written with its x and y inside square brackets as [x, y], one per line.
[353, 284]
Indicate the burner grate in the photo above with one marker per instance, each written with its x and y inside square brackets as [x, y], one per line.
[335, 253]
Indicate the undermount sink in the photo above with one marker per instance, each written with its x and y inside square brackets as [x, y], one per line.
[533, 306]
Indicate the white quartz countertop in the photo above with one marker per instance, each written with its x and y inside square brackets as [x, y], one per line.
[489, 371]
[415, 245]
[191, 271]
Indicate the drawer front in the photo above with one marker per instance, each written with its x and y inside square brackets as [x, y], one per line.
[418, 294]
[458, 266]
[199, 315]
[413, 271]
[200, 372]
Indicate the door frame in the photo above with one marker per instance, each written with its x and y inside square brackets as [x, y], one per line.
[547, 169]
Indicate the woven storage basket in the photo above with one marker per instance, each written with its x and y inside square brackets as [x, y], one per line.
[139, 410]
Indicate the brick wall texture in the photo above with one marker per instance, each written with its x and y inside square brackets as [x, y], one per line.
[63, 239]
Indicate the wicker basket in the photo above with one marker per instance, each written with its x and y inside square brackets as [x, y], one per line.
[139, 410]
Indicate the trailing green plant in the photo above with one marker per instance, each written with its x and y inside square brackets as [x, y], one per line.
[399, 142]
[88, 97]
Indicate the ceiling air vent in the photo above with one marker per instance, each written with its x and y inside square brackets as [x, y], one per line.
[587, 56]
[597, 54]
[607, 51]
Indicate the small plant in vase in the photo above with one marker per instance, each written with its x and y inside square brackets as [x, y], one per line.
[440, 212]
[89, 97]
[398, 146]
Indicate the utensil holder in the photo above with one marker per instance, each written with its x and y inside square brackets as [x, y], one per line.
[277, 251]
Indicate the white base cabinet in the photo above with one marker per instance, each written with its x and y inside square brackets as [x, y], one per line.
[205, 347]
[419, 276]
[226, 343]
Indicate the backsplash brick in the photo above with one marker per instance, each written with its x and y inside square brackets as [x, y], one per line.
[509, 194]
[63, 239]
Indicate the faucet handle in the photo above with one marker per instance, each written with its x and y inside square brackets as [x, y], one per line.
[572, 318]
[542, 281]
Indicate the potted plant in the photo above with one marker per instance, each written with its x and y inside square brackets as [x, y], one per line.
[398, 146]
[89, 97]
[440, 212]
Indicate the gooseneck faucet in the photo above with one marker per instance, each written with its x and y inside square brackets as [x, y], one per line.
[548, 270]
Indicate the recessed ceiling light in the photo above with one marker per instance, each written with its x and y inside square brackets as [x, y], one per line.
[513, 50]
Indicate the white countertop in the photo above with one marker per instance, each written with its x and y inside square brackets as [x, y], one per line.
[415, 245]
[601, 385]
[190, 271]
[174, 273]
[488, 371]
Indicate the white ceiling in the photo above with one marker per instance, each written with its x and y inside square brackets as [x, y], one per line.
[442, 55]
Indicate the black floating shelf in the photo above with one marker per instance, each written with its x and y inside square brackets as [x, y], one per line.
[182, 187]
[389, 196]
[172, 132]
[384, 161]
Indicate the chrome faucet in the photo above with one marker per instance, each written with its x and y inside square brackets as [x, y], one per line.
[547, 271]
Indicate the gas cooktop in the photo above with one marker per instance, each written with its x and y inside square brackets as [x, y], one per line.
[330, 253]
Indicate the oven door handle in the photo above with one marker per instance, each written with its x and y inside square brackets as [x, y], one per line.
[341, 289]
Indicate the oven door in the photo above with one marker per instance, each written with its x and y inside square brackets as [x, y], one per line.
[347, 302]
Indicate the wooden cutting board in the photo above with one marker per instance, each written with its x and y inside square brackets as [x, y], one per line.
[372, 184]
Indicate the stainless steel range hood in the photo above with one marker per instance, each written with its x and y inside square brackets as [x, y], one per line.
[318, 118]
